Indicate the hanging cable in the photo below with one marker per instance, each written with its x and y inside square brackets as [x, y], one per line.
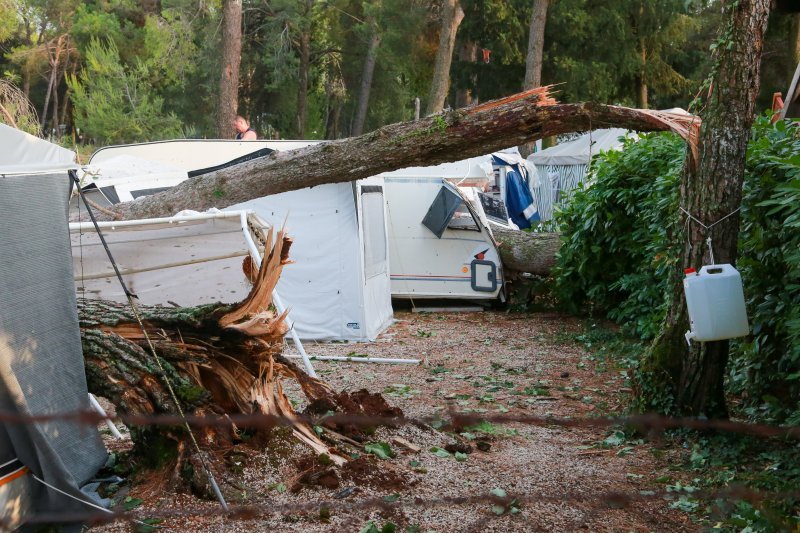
[707, 228]
[135, 309]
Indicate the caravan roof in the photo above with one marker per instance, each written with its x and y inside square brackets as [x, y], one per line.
[473, 168]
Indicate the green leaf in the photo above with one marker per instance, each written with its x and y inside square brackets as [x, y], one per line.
[460, 457]
[381, 450]
[148, 525]
[500, 493]
[439, 452]
[391, 497]
[498, 509]
[131, 503]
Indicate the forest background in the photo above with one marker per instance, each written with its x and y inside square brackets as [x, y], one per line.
[116, 71]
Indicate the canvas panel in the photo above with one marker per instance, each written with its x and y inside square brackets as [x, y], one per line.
[41, 363]
[189, 264]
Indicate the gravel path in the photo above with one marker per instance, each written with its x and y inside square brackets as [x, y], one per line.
[563, 479]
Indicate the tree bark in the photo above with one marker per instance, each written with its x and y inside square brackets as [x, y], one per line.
[429, 141]
[467, 53]
[231, 50]
[302, 85]
[533, 61]
[366, 78]
[520, 251]
[794, 44]
[452, 15]
[641, 81]
[693, 380]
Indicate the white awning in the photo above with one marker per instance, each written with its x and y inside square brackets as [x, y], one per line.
[23, 153]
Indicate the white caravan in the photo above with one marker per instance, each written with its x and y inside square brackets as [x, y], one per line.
[440, 243]
[338, 286]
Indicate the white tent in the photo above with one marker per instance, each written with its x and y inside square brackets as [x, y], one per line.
[562, 168]
[41, 362]
[338, 285]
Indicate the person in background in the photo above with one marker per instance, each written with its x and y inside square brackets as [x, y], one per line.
[243, 130]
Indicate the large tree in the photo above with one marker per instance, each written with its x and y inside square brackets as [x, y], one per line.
[452, 15]
[533, 60]
[675, 378]
[231, 51]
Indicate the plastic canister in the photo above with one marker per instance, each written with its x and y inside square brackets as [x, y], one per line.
[715, 301]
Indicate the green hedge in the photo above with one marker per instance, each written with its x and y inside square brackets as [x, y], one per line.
[618, 251]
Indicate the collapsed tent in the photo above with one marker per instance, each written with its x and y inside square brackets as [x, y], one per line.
[338, 285]
[562, 168]
[41, 362]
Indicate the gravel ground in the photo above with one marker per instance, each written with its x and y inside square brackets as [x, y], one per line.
[487, 362]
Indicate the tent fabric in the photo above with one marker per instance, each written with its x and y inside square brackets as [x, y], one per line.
[580, 151]
[25, 153]
[41, 363]
[322, 288]
[558, 182]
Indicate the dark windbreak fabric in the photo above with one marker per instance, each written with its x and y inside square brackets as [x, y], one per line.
[41, 362]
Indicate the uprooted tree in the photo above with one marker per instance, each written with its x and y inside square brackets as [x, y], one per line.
[220, 360]
[449, 136]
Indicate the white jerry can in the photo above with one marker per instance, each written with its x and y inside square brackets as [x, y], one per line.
[715, 300]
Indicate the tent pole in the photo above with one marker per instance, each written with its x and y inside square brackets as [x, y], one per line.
[351, 359]
[102, 412]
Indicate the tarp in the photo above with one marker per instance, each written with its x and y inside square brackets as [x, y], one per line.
[41, 363]
[22, 152]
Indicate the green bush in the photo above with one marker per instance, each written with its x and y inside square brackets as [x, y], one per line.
[617, 254]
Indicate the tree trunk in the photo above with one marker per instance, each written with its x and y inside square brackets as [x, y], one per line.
[520, 251]
[366, 79]
[228, 101]
[533, 61]
[302, 85]
[794, 43]
[692, 381]
[429, 141]
[452, 15]
[467, 53]
[641, 81]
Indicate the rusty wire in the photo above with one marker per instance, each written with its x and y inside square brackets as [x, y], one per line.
[451, 419]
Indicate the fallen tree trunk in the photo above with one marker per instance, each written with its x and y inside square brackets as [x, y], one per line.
[520, 251]
[449, 136]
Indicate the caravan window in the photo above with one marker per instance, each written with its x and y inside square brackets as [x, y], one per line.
[374, 224]
[448, 211]
[463, 219]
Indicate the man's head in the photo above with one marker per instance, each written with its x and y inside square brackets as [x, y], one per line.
[240, 124]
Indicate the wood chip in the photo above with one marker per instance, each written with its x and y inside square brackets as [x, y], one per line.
[405, 444]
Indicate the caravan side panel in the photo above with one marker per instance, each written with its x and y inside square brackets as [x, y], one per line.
[375, 255]
[424, 266]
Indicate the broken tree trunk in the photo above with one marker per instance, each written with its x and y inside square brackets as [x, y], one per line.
[441, 138]
[220, 359]
[520, 251]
